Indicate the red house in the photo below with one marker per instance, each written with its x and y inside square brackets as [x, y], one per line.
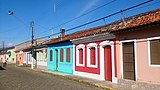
[94, 54]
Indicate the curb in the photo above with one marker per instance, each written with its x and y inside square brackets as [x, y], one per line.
[77, 80]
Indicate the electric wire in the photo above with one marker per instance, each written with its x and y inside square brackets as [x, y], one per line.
[103, 17]
[80, 16]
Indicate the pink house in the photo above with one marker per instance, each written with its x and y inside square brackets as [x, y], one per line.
[138, 48]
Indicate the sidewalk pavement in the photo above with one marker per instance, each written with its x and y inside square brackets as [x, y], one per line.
[101, 84]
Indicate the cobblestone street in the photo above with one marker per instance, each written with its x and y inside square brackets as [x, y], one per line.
[18, 78]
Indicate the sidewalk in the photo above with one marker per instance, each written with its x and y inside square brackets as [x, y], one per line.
[122, 85]
[101, 84]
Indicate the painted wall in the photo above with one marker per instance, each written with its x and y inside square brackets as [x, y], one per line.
[11, 58]
[27, 58]
[64, 66]
[19, 58]
[98, 71]
[42, 58]
[1, 58]
[144, 72]
[85, 68]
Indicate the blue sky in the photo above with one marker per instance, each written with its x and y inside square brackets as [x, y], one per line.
[15, 28]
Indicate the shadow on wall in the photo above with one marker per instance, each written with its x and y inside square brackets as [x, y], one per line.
[1, 68]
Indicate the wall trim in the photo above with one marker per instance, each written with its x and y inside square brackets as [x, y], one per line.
[80, 46]
[90, 45]
[102, 44]
[149, 52]
[89, 75]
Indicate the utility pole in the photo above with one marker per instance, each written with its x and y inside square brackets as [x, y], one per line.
[3, 50]
[122, 14]
[32, 28]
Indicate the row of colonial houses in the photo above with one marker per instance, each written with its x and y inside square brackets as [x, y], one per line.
[126, 49]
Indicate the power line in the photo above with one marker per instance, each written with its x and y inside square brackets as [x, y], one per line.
[82, 15]
[86, 13]
[109, 15]
[103, 17]
[146, 5]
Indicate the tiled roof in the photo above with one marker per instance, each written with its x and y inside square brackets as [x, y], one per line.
[130, 22]
[25, 48]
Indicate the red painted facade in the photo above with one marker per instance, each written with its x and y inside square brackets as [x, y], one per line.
[85, 68]
[102, 60]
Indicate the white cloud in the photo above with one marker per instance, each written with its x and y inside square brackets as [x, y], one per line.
[88, 6]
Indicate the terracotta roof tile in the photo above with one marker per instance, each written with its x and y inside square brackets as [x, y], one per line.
[24, 48]
[133, 21]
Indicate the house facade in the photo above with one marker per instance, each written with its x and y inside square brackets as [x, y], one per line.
[60, 54]
[20, 54]
[10, 55]
[138, 48]
[61, 57]
[94, 54]
[41, 57]
[23, 52]
[19, 57]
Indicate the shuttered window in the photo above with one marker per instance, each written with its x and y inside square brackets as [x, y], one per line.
[92, 56]
[68, 54]
[155, 51]
[51, 56]
[61, 55]
[80, 56]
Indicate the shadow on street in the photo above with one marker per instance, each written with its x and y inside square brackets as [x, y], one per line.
[1, 68]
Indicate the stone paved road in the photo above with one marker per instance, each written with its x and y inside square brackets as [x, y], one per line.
[18, 78]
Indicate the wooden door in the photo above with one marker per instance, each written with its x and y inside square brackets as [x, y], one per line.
[108, 63]
[128, 61]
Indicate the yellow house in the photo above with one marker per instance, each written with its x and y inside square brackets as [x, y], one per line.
[10, 55]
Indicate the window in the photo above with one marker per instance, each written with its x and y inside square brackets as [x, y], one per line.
[92, 56]
[155, 52]
[51, 55]
[68, 55]
[80, 56]
[61, 55]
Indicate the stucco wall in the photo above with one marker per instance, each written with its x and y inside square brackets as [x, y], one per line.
[145, 73]
[42, 57]
[66, 67]
[11, 58]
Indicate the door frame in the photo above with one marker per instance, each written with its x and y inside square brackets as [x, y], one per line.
[56, 54]
[102, 44]
[106, 61]
[135, 56]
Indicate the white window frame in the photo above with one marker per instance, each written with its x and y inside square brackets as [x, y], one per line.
[90, 45]
[149, 52]
[80, 46]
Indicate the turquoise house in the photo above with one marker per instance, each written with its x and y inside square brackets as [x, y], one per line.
[60, 57]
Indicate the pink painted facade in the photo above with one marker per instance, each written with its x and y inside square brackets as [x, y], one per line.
[19, 57]
[141, 37]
